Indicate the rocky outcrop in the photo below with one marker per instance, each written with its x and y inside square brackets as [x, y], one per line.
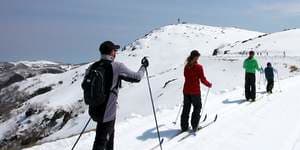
[28, 121]
[12, 78]
[28, 132]
[11, 73]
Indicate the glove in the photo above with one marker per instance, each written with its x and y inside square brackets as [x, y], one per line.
[145, 62]
[261, 70]
[209, 85]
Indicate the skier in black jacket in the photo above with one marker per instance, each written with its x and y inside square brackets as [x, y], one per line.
[269, 74]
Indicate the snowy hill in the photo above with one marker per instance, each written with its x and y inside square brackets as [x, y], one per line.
[269, 123]
[12, 96]
[52, 107]
[179, 38]
[11, 72]
[275, 43]
[173, 43]
[35, 63]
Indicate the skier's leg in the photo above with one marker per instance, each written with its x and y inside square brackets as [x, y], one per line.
[110, 144]
[103, 134]
[185, 113]
[247, 86]
[253, 87]
[268, 87]
[98, 143]
[196, 101]
[271, 85]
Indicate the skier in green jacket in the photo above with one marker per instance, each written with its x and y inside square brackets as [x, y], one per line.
[250, 66]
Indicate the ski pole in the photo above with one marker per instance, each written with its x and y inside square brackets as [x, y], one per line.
[153, 108]
[178, 114]
[81, 133]
[202, 110]
[278, 82]
[259, 80]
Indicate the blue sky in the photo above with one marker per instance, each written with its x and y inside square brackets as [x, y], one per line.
[71, 30]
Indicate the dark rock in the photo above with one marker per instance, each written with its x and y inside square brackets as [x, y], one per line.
[57, 115]
[41, 91]
[29, 112]
[67, 117]
[215, 53]
[52, 70]
[5, 66]
[13, 79]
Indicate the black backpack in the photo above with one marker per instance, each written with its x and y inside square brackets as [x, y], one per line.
[95, 83]
[96, 87]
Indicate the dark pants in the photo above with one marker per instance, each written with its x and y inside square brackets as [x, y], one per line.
[270, 85]
[250, 89]
[104, 139]
[189, 100]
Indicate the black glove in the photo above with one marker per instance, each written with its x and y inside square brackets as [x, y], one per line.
[145, 62]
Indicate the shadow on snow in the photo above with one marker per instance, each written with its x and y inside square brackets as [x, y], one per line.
[238, 101]
[152, 134]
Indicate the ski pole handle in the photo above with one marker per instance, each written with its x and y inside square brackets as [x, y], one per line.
[145, 62]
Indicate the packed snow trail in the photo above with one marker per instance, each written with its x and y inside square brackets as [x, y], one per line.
[269, 123]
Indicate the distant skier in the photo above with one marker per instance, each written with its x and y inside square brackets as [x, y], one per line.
[250, 65]
[178, 21]
[193, 73]
[105, 113]
[269, 74]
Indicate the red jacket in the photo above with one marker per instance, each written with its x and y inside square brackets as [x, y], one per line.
[193, 75]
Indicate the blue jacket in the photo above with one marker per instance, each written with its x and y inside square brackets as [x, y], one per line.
[269, 73]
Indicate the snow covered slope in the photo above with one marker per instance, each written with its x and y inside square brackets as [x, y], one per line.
[276, 43]
[179, 38]
[269, 123]
[35, 63]
[169, 46]
[225, 73]
[173, 42]
[59, 111]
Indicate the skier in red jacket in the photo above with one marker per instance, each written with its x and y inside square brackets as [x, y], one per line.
[193, 73]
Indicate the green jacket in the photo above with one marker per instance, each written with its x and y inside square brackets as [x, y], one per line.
[250, 65]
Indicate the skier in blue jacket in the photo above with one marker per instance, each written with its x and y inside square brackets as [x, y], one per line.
[269, 74]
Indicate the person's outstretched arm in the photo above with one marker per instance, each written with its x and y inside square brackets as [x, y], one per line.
[130, 76]
[203, 78]
[258, 68]
[244, 64]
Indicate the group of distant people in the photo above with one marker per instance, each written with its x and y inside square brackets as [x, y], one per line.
[193, 74]
[260, 53]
